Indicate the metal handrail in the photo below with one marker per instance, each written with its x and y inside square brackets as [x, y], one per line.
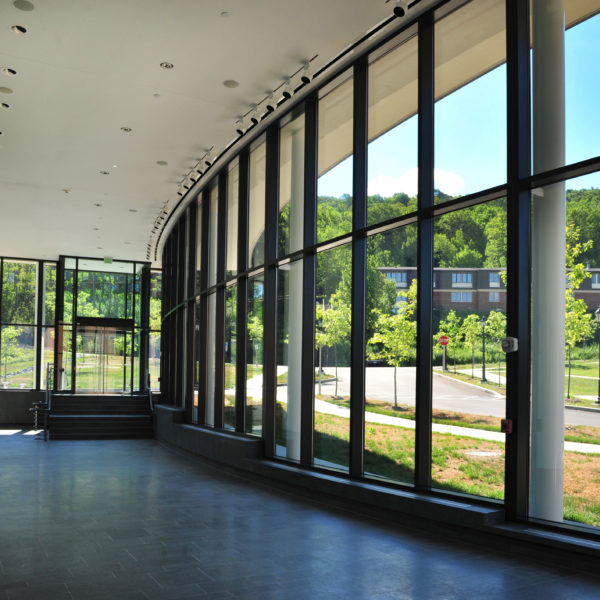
[44, 407]
[150, 401]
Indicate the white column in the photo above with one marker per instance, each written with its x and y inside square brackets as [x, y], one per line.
[295, 297]
[548, 263]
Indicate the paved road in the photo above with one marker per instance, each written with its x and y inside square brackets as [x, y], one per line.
[448, 394]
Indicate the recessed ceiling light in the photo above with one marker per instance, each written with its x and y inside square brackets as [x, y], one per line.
[18, 29]
[105, 172]
[230, 83]
[162, 163]
[96, 228]
[5, 90]
[66, 190]
[23, 5]
[133, 210]
[225, 13]
[127, 242]
[97, 204]
[156, 95]
[166, 65]
[99, 247]
[4, 105]
[126, 129]
[7, 71]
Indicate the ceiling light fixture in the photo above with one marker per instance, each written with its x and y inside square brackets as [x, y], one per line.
[240, 125]
[166, 65]
[24, 5]
[307, 75]
[231, 83]
[208, 158]
[271, 104]
[126, 129]
[401, 8]
[19, 29]
[162, 163]
[66, 190]
[4, 105]
[287, 89]
[254, 115]
[7, 71]
[96, 228]
[133, 210]
[6, 90]
[97, 204]
[224, 13]
[105, 172]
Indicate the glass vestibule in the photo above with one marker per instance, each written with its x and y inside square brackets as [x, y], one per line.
[103, 316]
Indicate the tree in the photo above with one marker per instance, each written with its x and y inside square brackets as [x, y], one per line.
[394, 340]
[335, 327]
[579, 323]
[471, 329]
[255, 334]
[496, 328]
[451, 328]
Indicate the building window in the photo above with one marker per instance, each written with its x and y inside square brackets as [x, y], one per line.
[494, 297]
[595, 281]
[494, 279]
[462, 279]
[462, 296]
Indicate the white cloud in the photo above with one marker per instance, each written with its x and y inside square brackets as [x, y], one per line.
[385, 185]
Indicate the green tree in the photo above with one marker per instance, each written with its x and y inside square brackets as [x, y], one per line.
[471, 330]
[394, 340]
[451, 328]
[496, 329]
[579, 323]
[335, 326]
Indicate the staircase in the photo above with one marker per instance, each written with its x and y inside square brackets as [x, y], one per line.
[89, 417]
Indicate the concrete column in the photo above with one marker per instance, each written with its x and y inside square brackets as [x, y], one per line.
[295, 297]
[548, 263]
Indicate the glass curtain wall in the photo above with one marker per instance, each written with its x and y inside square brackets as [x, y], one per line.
[439, 240]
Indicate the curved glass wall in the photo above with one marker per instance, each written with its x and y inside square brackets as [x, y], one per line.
[363, 259]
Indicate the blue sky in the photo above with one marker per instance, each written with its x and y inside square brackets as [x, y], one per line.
[470, 137]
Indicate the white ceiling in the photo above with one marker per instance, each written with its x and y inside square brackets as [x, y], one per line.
[86, 68]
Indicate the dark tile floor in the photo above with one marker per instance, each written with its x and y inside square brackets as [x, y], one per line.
[129, 519]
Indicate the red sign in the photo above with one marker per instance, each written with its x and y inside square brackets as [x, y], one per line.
[444, 340]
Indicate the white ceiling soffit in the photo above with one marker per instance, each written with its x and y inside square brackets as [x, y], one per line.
[86, 69]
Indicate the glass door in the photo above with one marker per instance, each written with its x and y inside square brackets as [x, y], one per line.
[103, 355]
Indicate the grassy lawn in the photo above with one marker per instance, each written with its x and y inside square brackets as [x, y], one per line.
[459, 464]
[283, 378]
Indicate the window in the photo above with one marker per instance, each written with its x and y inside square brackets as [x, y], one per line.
[462, 279]
[494, 279]
[462, 296]
[595, 280]
[494, 297]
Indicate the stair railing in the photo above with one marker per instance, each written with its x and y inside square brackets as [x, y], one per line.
[150, 400]
[42, 409]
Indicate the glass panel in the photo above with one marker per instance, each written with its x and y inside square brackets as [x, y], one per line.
[69, 275]
[210, 360]
[64, 360]
[19, 285]
[47, 354]
[230, 356]
[103, 360]
[155, 300]
[49, 293]
[390, 377]
[212, 235]
[199, 372]
[333, 301]
[565, 352]
[393, 144]
[469, 398]
[470, 89]
[18, 356]
[291, 187]
[137, 288]
[254, 355]
[233, 192]
[289, 360]
[199, 245]
[334, 186]
[256, 206]
[154, 359]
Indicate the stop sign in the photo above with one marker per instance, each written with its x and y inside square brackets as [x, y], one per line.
[444, 340]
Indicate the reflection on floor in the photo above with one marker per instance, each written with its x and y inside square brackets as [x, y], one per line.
[131, 520]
